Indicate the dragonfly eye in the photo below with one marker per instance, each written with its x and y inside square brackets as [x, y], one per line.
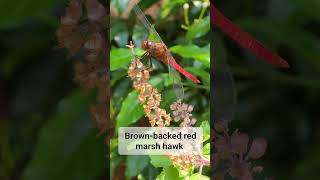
[144, 44]
[149, 43]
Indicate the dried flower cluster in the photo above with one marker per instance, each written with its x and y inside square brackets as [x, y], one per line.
[81, 33]
[232, 152]
[183, 111]
[150, 98]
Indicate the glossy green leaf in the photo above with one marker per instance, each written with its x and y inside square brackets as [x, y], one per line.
[121, 57]
[193, 51]
[135, 164]
[131, 110]
[199, 28]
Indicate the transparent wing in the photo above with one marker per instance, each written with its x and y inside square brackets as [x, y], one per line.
[152, 35]
[224, 92]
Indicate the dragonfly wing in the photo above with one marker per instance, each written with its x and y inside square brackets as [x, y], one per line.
[152, 35]
[224, 92]
[150, 32]
[176, 79]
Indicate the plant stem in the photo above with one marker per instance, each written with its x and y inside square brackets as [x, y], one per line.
[203, 10]
[186, 17]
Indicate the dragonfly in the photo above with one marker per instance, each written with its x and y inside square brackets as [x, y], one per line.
[244, 39]
[224, 93]
[155, 48]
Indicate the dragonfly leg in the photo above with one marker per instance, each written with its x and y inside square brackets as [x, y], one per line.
[146, 57]
[146, 54]
[149, 65]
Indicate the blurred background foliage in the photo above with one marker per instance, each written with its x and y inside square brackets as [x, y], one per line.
[186, 32]
[45, 126]
[45, 129]
[280, 105]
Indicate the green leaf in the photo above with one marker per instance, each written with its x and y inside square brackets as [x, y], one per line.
[67, 146]
[121, 57]
[198, 176]
[206, 151]
[135, 164]
[14, 13]
[205, 76]
[119, 33]
[169, 6]
[205, 130]
[193, 51]
[198, 28]
[117, 26]
[169, 173]
[130, 111]
[160, 161]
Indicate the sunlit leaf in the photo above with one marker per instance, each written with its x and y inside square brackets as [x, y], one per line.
[193, 51]
[169, 173]
[121, 57]
[206, 151]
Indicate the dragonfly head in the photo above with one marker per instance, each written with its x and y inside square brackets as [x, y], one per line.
[146, 44]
